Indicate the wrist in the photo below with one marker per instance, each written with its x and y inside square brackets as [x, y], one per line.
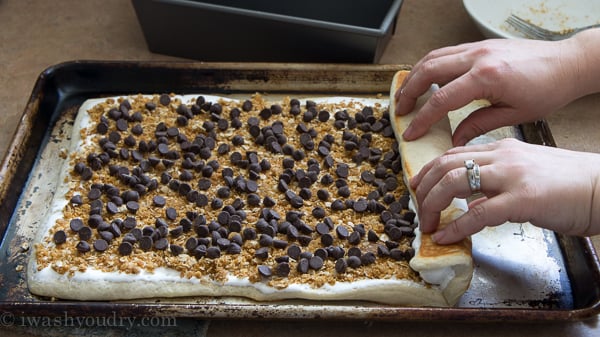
[585, 65]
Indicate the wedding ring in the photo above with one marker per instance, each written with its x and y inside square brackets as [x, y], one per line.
[473, 175]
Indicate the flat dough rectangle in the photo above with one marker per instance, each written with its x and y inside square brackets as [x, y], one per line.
[93, 283]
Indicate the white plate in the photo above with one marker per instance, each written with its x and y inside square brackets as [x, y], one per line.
[489, 15]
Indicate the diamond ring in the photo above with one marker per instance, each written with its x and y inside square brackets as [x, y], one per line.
[473, 175]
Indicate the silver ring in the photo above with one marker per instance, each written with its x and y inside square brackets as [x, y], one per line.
[473, 175]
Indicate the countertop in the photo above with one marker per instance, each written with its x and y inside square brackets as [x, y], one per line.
[35, 35]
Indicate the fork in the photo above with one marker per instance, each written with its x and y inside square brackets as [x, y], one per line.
[536, 32]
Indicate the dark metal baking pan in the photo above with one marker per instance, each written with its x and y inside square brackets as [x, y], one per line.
[269, 30]
[61, 89]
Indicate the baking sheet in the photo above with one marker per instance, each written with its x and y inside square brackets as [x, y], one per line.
[521, 271]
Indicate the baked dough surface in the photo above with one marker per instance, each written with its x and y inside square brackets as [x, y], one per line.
[451, 263]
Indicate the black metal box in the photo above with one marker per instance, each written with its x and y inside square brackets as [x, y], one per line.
[323, 31]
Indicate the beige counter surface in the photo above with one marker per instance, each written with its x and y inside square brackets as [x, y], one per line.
[37, 34]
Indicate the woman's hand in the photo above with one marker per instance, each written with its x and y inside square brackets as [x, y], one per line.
[522, 79]
[549, 187]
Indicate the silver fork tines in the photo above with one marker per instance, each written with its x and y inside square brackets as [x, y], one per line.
[536, 32]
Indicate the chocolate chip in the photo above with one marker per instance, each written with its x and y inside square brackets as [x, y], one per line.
[397, 254]
[103, 226]
[175, 249]
[303, 266]
[249, 234]
[341, 265]
[86, 173]
[94, 220]
[129, 223]
[164, 99]
[102, 128]
[85, 233]
[191, 244]
[112, 208]
[278, 243]
[265, 113]
[265, 271]
[372, 236]
[125, 248]
[316, 262]
[223, 243]
[322, 228]
[100, 245]
[76, 200]
[177, 231]
[353, 262]
[115, 228]
[251, 186]
[82, 247]
[94, 193]
[409, 253]
[59, 237]
[367, 258]
[327, 239]
[199, 251]
[223, 192]
[262, 253]
[130, 237]
[146, 243]
[305, 193]
[247, 105]
[186, 175]
[294, 251]
[282, 269]
[391, 183]
[342, 232]
[76, 224]
[382, 250]
[295, 200]
[338, 205]
[216, 203]
[323, 195]
[298, 155]
[213, 252]
[122, 124]
[234, 248]
[360, 205]
[171, 213]
[335, 252]
[265, 240]
[322, 253]
[318, 212]
[344, 191]
[253, 199]
[394, 233]
[354, 238]
[304, 240]
[159, 201]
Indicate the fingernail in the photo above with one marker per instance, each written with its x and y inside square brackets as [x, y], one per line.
[412, 182]
[461, 142]
[437, 236]
[408, 133]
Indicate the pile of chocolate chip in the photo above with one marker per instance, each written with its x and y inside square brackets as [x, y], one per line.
[288, 166]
